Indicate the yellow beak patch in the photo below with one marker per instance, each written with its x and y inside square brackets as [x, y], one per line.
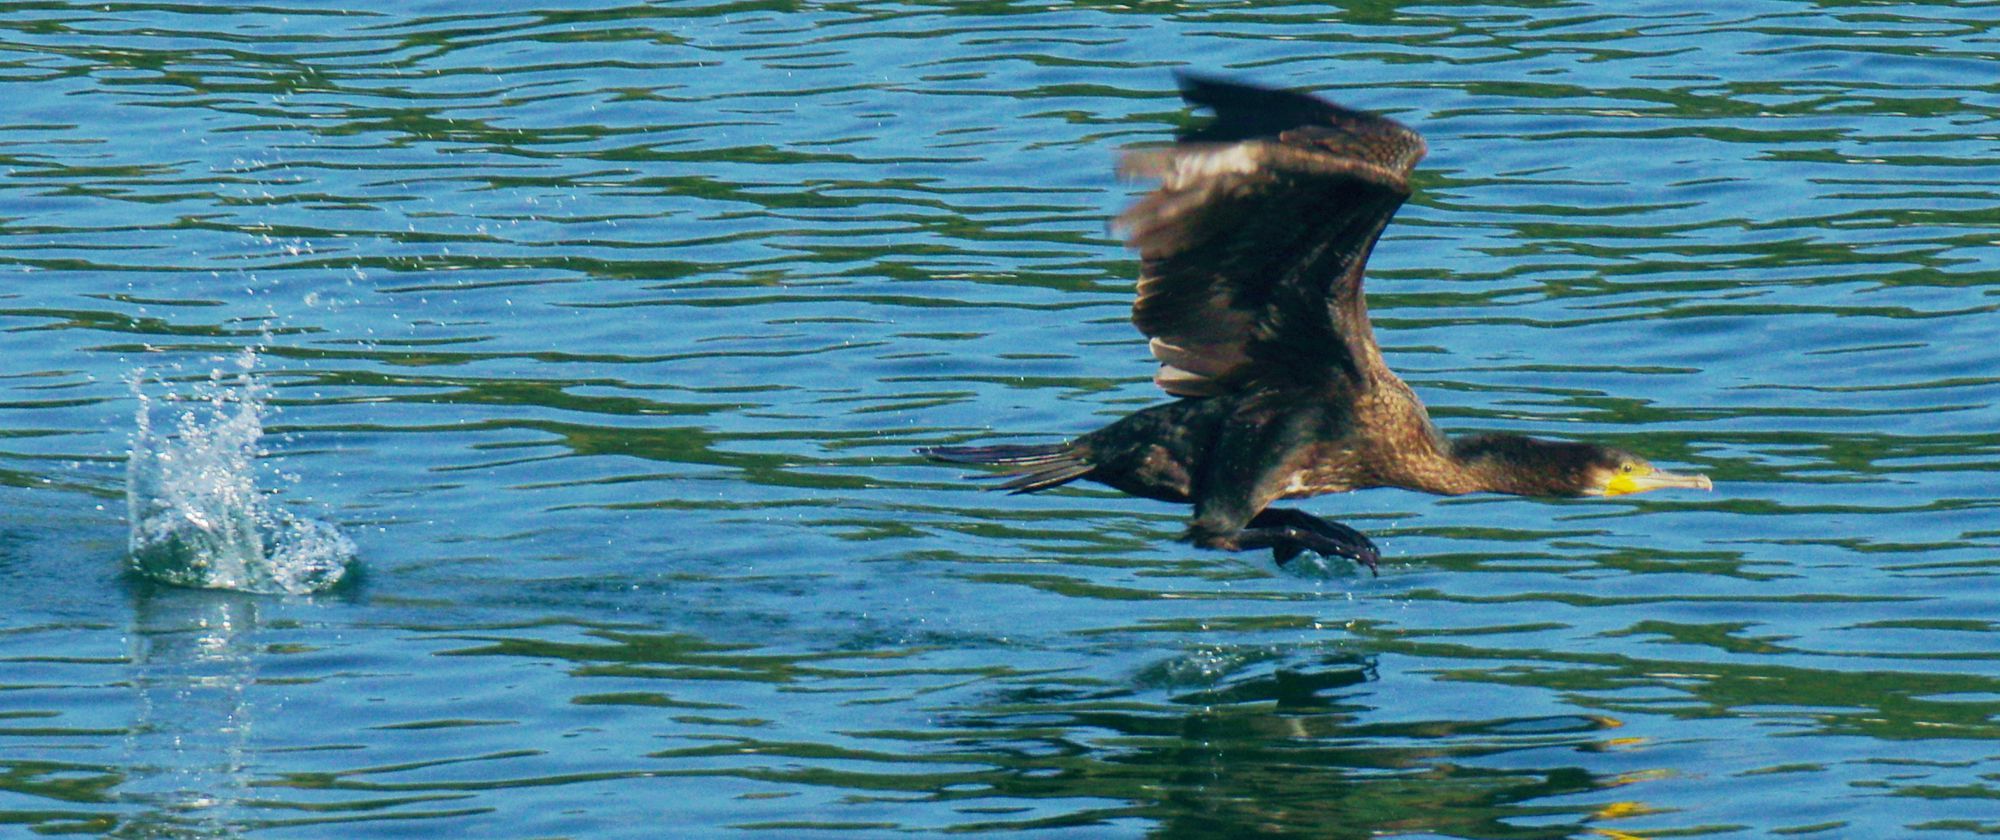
[1643, 478]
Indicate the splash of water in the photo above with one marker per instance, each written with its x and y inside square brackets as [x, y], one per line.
[198, 518]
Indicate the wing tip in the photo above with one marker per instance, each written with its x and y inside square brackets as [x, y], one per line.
[1248, 111]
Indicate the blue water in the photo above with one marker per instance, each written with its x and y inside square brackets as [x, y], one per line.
[605, 333]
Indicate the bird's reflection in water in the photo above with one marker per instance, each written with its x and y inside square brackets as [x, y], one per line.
[193, 664]
[1292, 748]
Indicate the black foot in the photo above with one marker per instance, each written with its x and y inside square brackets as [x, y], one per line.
[1291, 532]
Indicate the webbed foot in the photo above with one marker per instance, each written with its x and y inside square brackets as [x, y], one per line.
[1289, 533]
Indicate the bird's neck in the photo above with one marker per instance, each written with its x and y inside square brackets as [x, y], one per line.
[1514, 464]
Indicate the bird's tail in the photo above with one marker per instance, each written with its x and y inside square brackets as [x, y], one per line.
[1031, 467]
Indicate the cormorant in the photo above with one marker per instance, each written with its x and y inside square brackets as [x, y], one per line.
[1252, 250]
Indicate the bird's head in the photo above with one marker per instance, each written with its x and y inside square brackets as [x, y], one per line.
[1527, 466]
[1615, 472]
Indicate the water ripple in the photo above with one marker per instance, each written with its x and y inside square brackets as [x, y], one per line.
[606, 330]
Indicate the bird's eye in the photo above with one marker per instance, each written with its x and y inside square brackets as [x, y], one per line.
[1626, 468]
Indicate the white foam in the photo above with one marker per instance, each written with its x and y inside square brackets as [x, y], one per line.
[197, 516]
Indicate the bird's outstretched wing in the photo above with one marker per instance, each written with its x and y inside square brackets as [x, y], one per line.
[1253, 245]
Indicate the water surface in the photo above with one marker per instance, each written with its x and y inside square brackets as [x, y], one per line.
[606, 333]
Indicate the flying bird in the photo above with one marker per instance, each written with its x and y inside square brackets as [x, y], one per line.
[1251, 252]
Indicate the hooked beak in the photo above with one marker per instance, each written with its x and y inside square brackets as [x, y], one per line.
[1622, 484]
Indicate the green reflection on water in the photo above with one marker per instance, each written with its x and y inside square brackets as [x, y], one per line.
[1275, 748]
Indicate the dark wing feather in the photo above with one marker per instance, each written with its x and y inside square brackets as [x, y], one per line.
[1252, 247]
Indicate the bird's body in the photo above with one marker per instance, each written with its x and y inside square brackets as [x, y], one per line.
[1252, 254]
